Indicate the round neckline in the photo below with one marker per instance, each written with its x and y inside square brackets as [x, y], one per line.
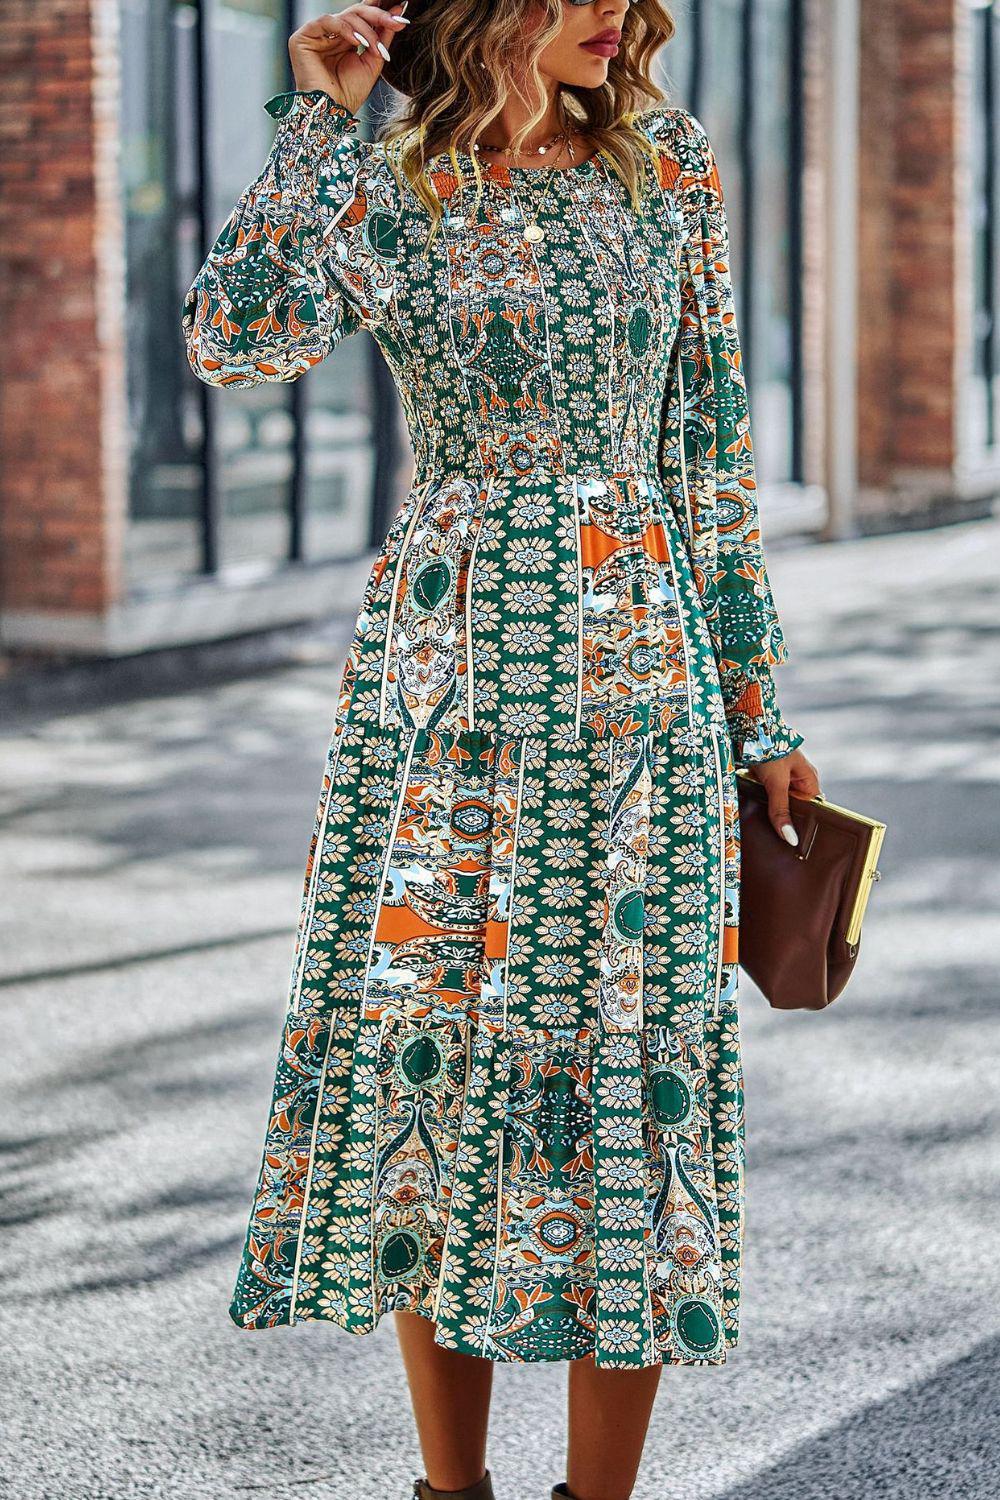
[492, 170]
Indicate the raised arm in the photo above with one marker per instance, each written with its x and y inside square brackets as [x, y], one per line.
[307, 255]
[271, 299]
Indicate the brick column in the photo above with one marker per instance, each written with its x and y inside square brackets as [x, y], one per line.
[63, 419]
[915, 271]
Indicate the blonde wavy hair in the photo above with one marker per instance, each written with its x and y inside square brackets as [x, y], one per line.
[466, 57]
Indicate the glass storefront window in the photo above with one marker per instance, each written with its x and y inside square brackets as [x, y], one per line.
[775, 286]
[254, 429]
[232, 480]
[981, 413]
[158, 179]
[254, 479]
[731, 63]
[676, 60]
[723, 117]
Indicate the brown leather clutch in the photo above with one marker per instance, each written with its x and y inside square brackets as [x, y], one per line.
[801, 908]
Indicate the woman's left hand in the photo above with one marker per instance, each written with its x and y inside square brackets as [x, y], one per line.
[788, 774]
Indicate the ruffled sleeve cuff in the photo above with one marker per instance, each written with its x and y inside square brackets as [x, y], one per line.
[309, 114]
[756, 727]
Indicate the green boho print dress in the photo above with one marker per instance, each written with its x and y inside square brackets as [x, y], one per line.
[508, 1094]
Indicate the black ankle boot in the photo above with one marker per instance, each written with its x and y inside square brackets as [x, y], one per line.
[481, 1490]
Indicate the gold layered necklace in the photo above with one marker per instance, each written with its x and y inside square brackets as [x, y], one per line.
[534, 233]
[541, 150]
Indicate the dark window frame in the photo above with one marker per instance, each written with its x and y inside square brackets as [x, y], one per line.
[986, 334]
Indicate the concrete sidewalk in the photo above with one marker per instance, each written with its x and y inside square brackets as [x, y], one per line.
[159, 846]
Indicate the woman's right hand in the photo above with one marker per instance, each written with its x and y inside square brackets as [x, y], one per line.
[324, 52]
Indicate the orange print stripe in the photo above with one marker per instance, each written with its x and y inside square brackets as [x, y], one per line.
[495, 945]
[596, 546]
[398, 924]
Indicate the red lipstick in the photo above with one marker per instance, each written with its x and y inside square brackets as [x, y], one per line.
[604, 44]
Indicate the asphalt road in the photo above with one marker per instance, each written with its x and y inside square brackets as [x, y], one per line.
[159, 845]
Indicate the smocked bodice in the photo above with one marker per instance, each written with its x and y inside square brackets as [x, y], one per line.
[513, 356]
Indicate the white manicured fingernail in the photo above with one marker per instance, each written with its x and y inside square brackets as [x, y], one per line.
[789, 835]
[363, 40]
[383, 49]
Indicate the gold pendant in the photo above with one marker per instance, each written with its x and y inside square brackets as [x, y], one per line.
[534, 234]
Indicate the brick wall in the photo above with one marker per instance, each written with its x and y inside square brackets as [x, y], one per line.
[914, 274]
[62, 392]
[924, 243]
[877, 373]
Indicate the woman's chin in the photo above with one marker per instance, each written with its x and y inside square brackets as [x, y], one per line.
[591, 74]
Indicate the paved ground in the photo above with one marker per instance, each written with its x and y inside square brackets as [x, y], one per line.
[160, 845]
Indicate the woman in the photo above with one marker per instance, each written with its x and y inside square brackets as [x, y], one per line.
[508, 1103]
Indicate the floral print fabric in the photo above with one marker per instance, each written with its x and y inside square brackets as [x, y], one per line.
[508, 1094]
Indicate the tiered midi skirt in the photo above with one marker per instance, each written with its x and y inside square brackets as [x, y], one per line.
[509, 1095]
